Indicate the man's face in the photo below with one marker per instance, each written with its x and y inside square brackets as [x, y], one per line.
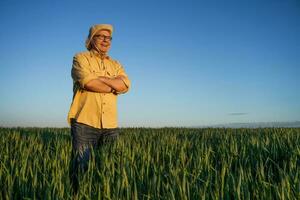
[102, 40]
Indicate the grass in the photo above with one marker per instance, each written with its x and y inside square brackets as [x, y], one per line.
[166, 163]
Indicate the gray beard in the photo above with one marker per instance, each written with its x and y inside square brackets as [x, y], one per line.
[101, 53]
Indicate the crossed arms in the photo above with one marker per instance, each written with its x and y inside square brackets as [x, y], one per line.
[107, 85]
[101, 84]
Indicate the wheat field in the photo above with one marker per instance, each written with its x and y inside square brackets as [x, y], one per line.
[162, 163]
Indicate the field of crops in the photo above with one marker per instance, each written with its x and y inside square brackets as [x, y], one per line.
[166, 163]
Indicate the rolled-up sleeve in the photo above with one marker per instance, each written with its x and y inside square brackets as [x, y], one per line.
[80, 70]
[124, 77]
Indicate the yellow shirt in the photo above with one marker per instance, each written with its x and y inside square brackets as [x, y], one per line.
[95, 109]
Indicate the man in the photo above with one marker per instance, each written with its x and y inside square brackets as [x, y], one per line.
[97, 81]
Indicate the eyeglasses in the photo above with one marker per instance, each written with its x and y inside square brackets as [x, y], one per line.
[103, 37]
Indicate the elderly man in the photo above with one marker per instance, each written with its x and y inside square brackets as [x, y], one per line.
[97, 81]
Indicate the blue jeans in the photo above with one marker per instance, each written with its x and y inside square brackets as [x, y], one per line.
[84, 138]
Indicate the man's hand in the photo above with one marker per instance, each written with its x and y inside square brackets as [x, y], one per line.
[105, 84]
[116, 83]
[96, 85]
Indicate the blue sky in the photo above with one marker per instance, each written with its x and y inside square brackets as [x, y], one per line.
[191, 63]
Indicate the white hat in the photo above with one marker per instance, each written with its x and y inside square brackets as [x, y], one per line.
[94, 29]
